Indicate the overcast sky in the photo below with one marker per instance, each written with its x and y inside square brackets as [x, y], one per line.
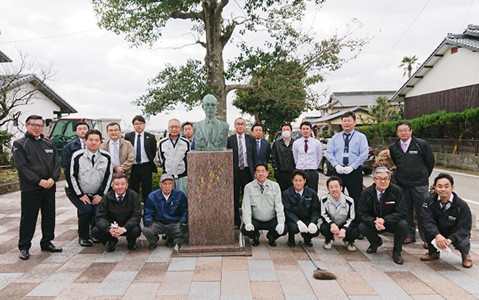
[99, 74]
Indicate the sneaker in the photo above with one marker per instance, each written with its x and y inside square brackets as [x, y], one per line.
[328, 244]
[350, 246]
[467, 263]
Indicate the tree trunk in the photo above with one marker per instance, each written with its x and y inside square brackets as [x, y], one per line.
[214, 56]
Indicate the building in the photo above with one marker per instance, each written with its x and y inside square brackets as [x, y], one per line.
[448, 80]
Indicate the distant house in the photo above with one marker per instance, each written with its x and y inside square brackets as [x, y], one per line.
[4, 58]
[360, 102]
[448, 79]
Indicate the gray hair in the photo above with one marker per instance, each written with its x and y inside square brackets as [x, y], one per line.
[173, 120]
[382, 170]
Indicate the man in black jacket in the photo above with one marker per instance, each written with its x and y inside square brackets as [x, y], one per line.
[282, 157]
[302, 210]
[145, 151]
[447, 219]
[118, 214]
[38, 166]
[81, 128]
[242, 145]
[382, 208]
[414, 160]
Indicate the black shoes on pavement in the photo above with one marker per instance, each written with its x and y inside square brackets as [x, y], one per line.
[85, 242]
[397, 257]
[374, 248]
[24, 255]
[51, 248]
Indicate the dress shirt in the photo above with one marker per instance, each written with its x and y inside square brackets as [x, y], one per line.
[144, 157]
[358, 149]
[243, 140]
[448, 204]
[118, 196]
[115, 152]
[379, 193]
[309, 160]
[405, 145]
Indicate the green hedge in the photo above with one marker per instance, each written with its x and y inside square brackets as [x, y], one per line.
[440, 125]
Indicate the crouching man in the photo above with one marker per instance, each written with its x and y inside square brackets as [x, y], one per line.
[382, 208]
[166, 212]
[118, 214]
[302, 209]
[337, 212]
[263, 208]
[447, 218]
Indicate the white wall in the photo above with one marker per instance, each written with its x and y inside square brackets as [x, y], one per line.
[451, 71]
[39, 104]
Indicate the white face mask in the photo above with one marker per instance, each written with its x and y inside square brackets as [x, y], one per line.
[286, 134]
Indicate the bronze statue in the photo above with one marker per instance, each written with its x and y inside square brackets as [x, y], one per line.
[210, 134]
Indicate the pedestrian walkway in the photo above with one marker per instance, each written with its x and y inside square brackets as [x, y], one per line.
[270, 273]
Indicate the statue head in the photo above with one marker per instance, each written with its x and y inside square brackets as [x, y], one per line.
[210, 105]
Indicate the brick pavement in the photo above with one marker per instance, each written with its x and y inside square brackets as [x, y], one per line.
[270, 273]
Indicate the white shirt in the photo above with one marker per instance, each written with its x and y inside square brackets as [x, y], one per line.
[114, 148]
[243, 141]
[118, 196]
[405, 145]
[144, 157]
[448, 204]
[307, 160]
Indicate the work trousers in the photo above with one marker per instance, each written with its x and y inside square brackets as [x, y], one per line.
[104, 235]
[141, 175]
[352, 232]
[268, 225]
[312, 179]
[242, 178]
[293, 229]
[414, 198]
[464, 246]
[284, 179]
[399, 230]
[85, 212]
[173, 230]
[353, 182]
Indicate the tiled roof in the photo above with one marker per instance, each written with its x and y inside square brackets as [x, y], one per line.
[332, 116]
[353, 99]
[469, 39]
[65, 107]
[4, 58]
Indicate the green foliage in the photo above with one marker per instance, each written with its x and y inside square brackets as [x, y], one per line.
[440, 125]
[383, 111]
[407, 64]
[5, 138]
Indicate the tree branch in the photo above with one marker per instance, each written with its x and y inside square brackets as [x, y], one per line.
[186, 15]
[220, 7]
[228, 32]
[230, 87]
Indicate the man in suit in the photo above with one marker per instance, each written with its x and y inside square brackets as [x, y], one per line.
[81, 128]
[210, 133]
[144, 144]
[262, 146]
[122, 152]
[242, 145]
[188, 133]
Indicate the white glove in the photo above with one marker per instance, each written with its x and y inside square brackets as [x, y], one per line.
[312, 228]
[302, 227]
[249, 227]
[348, 169]
[280, 228]
[339, 169]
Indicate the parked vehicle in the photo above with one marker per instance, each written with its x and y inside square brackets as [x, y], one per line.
[327, 168]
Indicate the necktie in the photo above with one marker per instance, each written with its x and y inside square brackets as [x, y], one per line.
[305, 146]
[138, 149]
[93, 160]
[346, 149]
[120, 198]
[380, 197]
[261, 188]
[240, 151]
[298, 195]
[258, 146]
[404, 147]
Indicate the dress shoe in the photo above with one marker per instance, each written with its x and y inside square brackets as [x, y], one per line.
[255, 241]
[408, 241]
[397, 257]
[95, 240]
[291, 242]
[51, 248]
[467, 263]
[132, 245]
[169, 242]
[374, 248]
[308, 242]
[24, 255]
[111, 246]
[425, 245]
[271, 240]
[84, 242]
[430, 256]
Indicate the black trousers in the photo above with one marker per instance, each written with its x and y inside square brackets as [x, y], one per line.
[284, 179]
[399, 230]
[414, 198]
[104, 235]
[259, 225]
[141, 175]
[31, 203]
[293, 229]
[85, 213]
[312, 178]
[352, 232]
[242, 178]
[464, 246]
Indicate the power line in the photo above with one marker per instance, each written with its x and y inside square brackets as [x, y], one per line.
[395, 45]
[47, 37]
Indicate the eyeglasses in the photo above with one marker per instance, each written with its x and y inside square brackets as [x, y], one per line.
[404, 131]
[138, 124]
[381, 178]
[36, 125]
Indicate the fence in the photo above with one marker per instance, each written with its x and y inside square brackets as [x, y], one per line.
[438, 145]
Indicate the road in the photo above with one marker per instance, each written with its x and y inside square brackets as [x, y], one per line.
[465, 185]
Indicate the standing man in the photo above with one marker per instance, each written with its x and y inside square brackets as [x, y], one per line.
[414, 161]
[307, 153]
[242, 145]
[118, 214]
[145, 150]
[172, 152]
[38, 166]
[90, 177]
[188, 133]
[81, 128]
[448, 220]
[347, 152]
[262, 146]
[382, 208]
[122, 152]
[282, 158]
[262, 208]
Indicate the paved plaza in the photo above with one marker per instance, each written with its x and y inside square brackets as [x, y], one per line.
[270, 273]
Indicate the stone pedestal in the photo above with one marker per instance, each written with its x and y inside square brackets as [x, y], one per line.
[210, 205]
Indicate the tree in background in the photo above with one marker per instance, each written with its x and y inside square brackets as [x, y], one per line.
[214, 22]
[407, 64]
[383, 111]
